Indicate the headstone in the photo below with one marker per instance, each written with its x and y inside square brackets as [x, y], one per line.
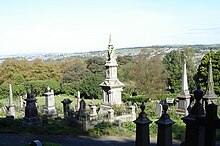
[158, 110]
[66, 106]
[82, 108]
[170, 101]
[31, 114]
[111, 115]
[94, 112]
[11, 106]
[35, 143]
[133, 112]
[49, 108]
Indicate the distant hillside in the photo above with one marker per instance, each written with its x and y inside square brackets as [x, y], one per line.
[132, 51]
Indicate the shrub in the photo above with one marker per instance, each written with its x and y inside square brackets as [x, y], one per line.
[134, 99]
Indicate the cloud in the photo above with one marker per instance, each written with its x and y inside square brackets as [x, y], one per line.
[204, 30]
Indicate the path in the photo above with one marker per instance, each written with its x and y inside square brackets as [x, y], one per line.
[20, 140]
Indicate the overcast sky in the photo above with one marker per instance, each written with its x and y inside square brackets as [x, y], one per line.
[84, 25]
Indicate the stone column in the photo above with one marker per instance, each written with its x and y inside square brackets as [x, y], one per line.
[78, 101]
[211, 122]
[11, 106]
[195, 122]
[142, 128]
[21, 102]
[164, 135]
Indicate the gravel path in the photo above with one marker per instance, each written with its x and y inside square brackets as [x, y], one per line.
[20, 140]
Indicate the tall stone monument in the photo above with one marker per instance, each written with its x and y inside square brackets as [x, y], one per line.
[49, 108]
[31, 113]
[11, 106]
[77, 101]
[210, 95]
[184, 97]
[111, 87]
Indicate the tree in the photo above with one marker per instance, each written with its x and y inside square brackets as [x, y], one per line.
[14, 70]
[96, 65]
[89, 86]
[75, 72]
[149, 74]
[202, 71]
[173, 63]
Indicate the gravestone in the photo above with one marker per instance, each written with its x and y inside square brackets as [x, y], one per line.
[49, 107]
[82, 108]
[159, 109]
[170, 101]
[10, 107]
[66, 106]
[93, 108]
[31, 114]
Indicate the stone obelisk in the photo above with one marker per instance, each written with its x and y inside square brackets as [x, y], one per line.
[184, 97]
[11, 106]
[210, 95]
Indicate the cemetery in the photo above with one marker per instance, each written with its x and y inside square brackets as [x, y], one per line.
[173, 116]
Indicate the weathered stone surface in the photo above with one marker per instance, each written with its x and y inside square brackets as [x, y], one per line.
[31, 114]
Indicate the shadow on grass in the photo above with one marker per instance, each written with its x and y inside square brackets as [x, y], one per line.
[54, 127]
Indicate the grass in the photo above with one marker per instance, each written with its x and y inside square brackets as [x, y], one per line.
[63, 127]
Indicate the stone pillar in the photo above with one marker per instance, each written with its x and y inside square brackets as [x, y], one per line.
[142, 128]
[210, 129]
[78, 101]
[21, 102]
[164, 135]
[31, 114]
[66, 106]
[111, 115]
[11, 106]
[49, 108]
[195, 124]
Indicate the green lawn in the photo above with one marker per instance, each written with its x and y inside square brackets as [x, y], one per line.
[41, 103]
